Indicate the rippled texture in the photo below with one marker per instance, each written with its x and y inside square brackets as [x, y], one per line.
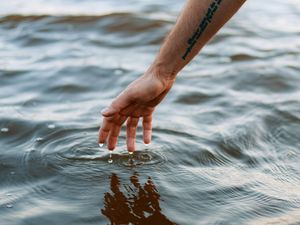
[226, 140]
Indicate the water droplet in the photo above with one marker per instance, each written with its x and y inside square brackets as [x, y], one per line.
[8, 194]
[51, 126]
[118, 72]
[110, 160]
[147, 145]
[9, 206]
[4, 130]
[39, 139]
[101, 145]
[12, 172]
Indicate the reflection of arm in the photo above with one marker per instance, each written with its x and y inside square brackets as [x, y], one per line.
[198, 22]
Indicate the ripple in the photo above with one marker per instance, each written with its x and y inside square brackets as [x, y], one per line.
[242, 57]
[140, 158]
[86, 152]
[63, 147]
[133, 29]
[225, 142]
[194, 98]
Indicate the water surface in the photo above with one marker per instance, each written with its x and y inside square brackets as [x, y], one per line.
[226, 139]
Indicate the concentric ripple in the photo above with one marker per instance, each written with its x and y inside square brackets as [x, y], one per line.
[65, 147]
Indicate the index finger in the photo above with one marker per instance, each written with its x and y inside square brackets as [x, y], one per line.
[104, 129]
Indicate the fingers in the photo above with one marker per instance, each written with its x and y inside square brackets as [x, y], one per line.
[114, 132]
[110, 114]
[113, 137]
[104, 129]
[131, 126]
[147, 128]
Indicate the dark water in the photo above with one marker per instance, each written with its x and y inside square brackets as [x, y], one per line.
[226, 140]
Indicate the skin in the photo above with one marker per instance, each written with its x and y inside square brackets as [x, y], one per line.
[139, 99]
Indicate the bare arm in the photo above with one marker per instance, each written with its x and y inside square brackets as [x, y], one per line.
[198, 22]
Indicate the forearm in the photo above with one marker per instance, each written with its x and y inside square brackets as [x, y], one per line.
[198, 22]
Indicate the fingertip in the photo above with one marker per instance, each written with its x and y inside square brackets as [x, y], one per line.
[131, 145]
[147, 144]
[102, 137]
[101, 145]
[130, 153]
[112, 142]
[147, 137]
[111, 148]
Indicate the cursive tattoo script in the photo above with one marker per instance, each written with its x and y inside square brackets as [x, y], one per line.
[202, 26]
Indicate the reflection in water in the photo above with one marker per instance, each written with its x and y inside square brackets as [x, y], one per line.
[136, 204]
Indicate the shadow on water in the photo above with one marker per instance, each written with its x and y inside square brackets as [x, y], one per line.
[134, 203]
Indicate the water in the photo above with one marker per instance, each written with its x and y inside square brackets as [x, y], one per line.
[110, 160]
[226, 140]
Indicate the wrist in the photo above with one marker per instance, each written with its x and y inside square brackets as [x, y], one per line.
[162, 71]
[159, 74]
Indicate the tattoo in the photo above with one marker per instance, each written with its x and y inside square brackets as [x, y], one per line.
[202, 26]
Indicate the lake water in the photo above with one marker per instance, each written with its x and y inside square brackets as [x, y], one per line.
[226, 140]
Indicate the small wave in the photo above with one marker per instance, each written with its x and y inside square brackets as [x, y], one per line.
[113, 21]
[109, 30]
[194, 98]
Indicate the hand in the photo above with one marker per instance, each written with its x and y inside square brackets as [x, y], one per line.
[139, 99]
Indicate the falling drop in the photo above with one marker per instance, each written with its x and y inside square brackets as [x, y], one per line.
[39, 139]
[101, 145]
[118, 72]
[51, 126]
[110, 160]
[4, 130]
[9, 206]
